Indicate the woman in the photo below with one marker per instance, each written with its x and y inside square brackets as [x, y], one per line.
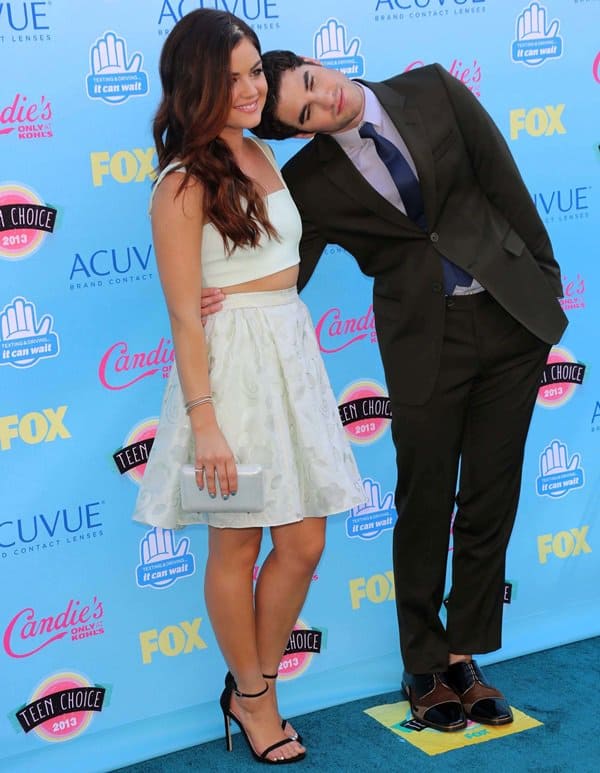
[253, 381]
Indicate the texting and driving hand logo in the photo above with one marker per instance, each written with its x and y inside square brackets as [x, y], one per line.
[375, 516]
[113, 76]
[559, 473]
[25, 339]
[334, 50]
[537, 38]
[163, 561]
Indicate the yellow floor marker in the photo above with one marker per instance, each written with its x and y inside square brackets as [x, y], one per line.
[397, 717]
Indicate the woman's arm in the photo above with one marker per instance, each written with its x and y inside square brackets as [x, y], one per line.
[177, 223]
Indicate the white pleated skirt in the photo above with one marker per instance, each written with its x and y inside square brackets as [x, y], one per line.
[275, 407]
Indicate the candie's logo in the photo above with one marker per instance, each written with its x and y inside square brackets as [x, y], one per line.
[596, 68]
[334, 332]
[119, 368]
[28, 120]
[469, 74]
[61, 708]
[131, 459]
[335, 51]
[303, 644]
[365, 411]
[25, 221]
[537, 39]
[562, 375]
[29, 632]
[573, 293]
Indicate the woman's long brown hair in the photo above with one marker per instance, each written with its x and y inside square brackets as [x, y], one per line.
[196, 101]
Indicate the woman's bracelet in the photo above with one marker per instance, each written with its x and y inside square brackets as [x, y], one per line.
[198, 401]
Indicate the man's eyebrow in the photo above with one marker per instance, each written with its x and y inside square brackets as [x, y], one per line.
[302, 116]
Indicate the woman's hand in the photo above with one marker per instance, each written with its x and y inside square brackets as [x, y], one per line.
[214, 462]
[212, 301]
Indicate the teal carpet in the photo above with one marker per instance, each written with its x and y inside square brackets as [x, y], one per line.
[559, 687]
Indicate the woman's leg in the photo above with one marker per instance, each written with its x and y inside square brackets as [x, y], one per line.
[282, 585]
[229, 600]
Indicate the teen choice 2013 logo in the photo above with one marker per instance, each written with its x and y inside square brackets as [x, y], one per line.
[304, 643]
[562, 375]
[365, 412]
[25, 221]
[131, 459]
[61, 708]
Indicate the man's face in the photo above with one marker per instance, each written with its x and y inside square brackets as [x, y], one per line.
[317, 99]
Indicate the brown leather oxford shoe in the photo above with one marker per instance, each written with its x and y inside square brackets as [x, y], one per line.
[433, 702]
[481, 702]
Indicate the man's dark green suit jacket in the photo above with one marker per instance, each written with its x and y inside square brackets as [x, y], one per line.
[479, 214]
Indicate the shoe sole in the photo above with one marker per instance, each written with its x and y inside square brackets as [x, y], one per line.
[491, 722]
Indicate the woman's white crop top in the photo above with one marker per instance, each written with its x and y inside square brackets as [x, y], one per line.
[246, 264]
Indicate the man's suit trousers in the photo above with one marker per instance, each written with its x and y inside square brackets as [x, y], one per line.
[475, 422]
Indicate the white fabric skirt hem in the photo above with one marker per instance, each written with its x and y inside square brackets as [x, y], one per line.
[275, 407]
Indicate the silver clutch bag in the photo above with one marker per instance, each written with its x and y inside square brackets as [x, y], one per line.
[250, 496]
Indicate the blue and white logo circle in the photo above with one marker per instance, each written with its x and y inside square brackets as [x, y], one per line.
[334, 50]
[113, 76]
[163, 560]
[25, 339]
[375, 516]
[559, 474]
[537, 39]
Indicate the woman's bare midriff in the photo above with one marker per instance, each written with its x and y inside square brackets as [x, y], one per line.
[281, 280]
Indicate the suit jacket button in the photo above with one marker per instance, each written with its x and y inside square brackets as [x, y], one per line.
[436, 287]
[434, 236]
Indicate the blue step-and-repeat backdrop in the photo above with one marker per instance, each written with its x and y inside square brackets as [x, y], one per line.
[106, 654]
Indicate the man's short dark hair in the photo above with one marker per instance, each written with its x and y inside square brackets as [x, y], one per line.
[275, 63]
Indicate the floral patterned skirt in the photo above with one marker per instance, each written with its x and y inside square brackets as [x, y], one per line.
[275, 407]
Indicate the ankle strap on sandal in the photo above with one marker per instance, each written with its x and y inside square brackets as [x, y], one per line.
[270, 676]
[250, 694]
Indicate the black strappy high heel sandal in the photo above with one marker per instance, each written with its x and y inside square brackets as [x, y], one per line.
[284, 722]
[230, 682]
[228, 715]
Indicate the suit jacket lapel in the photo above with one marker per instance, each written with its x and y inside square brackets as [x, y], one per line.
[410, 126]
[342, 172]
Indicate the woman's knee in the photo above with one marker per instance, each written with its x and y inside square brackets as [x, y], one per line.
[240, 547]
[304, 551]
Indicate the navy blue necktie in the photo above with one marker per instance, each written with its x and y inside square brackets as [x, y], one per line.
[410, 191]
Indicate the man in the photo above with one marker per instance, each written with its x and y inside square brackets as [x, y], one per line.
[412, 177]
